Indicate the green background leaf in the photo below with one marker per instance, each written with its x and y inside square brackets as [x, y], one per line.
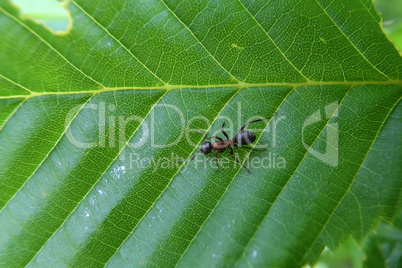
[384, 248]
[391, 13]
[77, 190]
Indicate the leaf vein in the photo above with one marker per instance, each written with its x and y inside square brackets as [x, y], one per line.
[47, 155]
[351, 184]
[350, 41]
[111, 162]
[117, 40]
[246, 156]
[273, 42]
[48, 44]
[290, 177]
[199, 41]
[167, 186]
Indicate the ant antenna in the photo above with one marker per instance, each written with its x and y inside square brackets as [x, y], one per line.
[258, 120]
[189, 159]
[196, 152]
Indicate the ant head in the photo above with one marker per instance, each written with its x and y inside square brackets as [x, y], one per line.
[245, 137]
[206, 148]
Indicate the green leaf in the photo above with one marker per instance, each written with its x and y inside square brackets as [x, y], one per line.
[93, 121]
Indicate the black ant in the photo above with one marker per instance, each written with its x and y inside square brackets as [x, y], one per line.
[243, 137]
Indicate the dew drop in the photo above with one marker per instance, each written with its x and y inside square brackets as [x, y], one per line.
[255, 253]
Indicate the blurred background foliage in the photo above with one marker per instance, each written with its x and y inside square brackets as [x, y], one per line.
[391, 12]
[50, 12]
[383, 247]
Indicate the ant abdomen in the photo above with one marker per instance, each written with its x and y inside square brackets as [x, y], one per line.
[245, 137]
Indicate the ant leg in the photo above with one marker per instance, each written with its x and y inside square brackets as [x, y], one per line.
[216, 137]
[213, 137]
[253, 149]
[201, 132]
[206, 134]
[231, 154]
[192, 158]
[224, 133]
[216, 158]
[258, 120]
